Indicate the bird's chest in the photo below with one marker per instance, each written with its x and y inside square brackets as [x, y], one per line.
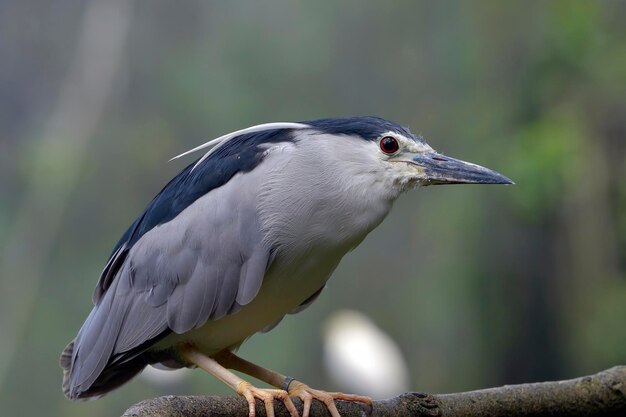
[311, 220]
[307, 222]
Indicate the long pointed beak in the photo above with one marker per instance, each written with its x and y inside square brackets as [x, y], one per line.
[439, 169]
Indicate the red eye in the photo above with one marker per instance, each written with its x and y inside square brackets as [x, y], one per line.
[389, 144]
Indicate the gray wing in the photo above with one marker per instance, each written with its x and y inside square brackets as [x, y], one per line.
[204, 264]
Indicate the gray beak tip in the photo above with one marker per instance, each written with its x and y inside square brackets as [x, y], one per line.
[440, 169]
[501, 179]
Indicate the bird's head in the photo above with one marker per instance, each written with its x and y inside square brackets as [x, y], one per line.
[354, 151]
[399, 154]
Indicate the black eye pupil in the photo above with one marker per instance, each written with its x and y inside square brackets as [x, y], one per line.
[389, 144]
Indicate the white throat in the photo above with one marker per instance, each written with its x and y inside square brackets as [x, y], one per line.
[325, 199]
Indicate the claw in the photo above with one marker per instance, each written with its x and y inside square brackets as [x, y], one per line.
[251, 393]
[307, 394]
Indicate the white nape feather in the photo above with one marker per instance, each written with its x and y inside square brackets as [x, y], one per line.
[361, 358]
[216, 143]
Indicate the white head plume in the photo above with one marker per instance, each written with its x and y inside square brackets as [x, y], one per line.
[215, 143]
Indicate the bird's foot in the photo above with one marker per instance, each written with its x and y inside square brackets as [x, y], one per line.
[251, 393]
[307, 394]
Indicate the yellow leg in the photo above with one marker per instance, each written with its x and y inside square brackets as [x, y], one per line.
[240, 386]
[294, 387]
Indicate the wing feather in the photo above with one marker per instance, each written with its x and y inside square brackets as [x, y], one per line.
[227, 292]
[194, 254]
[249, 284]
[236, 152]
[175, 278]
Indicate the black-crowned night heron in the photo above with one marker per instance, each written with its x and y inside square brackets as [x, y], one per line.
[248, 233]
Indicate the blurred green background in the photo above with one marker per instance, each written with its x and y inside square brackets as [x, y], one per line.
[479, 286]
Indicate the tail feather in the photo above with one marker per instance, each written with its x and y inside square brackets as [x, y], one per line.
[66, 364]
[111, 378]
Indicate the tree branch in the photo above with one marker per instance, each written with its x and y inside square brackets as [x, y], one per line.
[601, 394]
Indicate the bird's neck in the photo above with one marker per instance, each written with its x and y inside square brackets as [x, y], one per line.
[319, 204]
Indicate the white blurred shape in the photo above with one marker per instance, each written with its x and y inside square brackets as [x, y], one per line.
[361, 358]
[161, 377]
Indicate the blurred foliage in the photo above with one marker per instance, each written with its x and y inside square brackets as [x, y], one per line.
[488, 285]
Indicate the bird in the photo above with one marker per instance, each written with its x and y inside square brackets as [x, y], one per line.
[246, 234]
